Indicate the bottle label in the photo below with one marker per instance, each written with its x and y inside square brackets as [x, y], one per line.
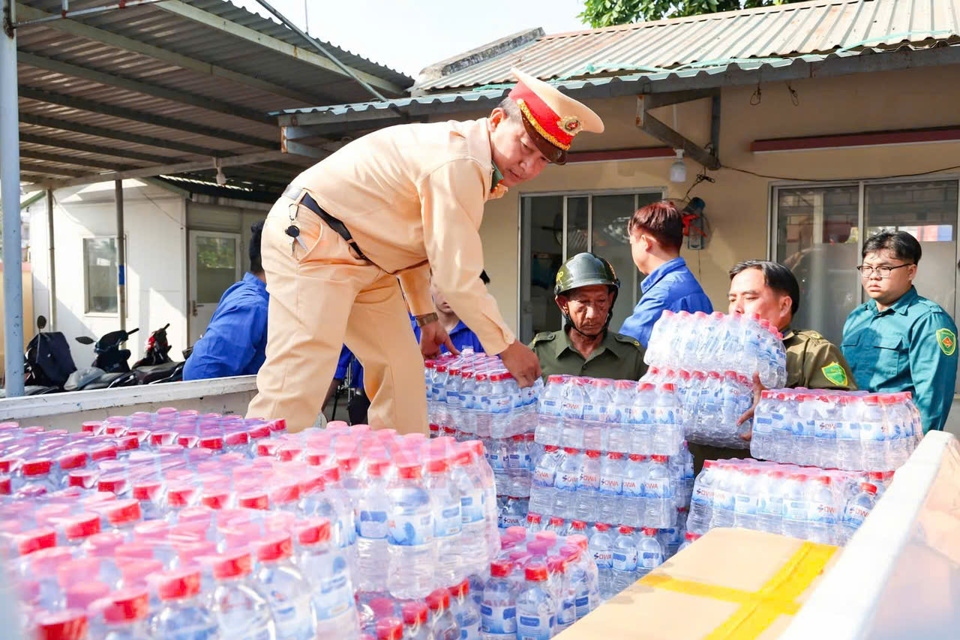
[871, 431]
[855, 515]
[625, 560]
[411, 530]
[702, 495]
[449, 521]
[603, 558]
[471, 507]
[333, 603]
[468, 631]
[824, 513]
[543, 477]
[372, 524]
[723, 499]
[770, 506]
[611, 485]
[535, 627]
[746, 504]
[795, 510]
[572, 409]
[848, 430]
[826, 429]
[650, 560]
[293, 617]
[567, 480]
[631, 487]
[508, 520]
[657, 489]
[568, 612]
[499, 620]
[495, 460]
[550, 407]
[763, 425]
[589, 481]
[666, 416]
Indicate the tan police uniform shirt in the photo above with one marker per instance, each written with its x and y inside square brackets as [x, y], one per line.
[815, 363]
[412, 196]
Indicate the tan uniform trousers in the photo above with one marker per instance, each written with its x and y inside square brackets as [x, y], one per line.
[321, 298]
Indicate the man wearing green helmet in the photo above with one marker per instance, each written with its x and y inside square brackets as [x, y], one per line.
[586, 289]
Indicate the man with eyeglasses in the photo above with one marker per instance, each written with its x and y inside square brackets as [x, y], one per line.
[899, 340]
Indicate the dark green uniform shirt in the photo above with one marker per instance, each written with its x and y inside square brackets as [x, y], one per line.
[912, 346]
[618, 357]
[815, 363]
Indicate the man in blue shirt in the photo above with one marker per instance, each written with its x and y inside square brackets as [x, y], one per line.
[235, 341]
[460, 334]
[656, 235]
[900, 341]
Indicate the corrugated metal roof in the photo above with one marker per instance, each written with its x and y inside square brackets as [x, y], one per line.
[146, 86]
[720, 39]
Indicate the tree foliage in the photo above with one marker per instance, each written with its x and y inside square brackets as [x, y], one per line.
[605, 13]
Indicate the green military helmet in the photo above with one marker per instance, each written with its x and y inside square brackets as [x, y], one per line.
[584, 270]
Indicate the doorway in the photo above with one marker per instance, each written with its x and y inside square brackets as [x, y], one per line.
[215, 264]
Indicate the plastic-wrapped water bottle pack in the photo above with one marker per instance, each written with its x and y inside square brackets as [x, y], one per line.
[835, 429]
[472, 396]
[818, 505]
[173, 525]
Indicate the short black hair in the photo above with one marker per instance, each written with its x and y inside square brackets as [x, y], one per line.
[662, 220]
[777, 276]
[903, 245]
[256, 231]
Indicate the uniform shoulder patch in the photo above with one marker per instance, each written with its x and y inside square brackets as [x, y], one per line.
[619, 337]
[947, 341]
[835, 374]
[545, 336]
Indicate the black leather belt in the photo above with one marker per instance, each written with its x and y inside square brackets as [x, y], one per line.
[302, 196]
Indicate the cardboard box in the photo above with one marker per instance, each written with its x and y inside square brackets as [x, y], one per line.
[730, 584]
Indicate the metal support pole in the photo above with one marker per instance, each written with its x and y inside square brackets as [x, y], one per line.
[10, 187]
[53, 261]
[121, 257]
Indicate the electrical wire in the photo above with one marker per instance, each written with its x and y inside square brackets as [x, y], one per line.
[809, 179]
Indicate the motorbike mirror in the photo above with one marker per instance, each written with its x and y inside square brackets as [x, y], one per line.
[85, 340]
[41, 322]
[165, 327]
[130, 333]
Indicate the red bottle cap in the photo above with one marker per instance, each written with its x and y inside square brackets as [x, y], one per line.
[535, 572]
[275, 547]
[70, 624]
[232, 565]
[175, 585]
[127, 605]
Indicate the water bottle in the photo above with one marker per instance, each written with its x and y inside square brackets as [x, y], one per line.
[724, 500]
[442, 622]
[658, 489]
[650, 553]
[709, 423]
[601, 547]
[642, 420]
[125, 615]
[415, 621]
[567, 479]
[477, 508]
[536, 608]
[465, 611]
[796, 509]
[689, 341]
[822, 514]
[550, 421]
[183, 614]
[746, 498]
[873, 443]
[769, 503]
[287, 591]
[624, 563]
[611, 488]
[325, 569]
[371, 518]
[588, 488]
[617, 433]
[763, 418]
[410, 540]
[709, 341]
[447, 519]
[660, 338]
[668, 433]
[542, 489]
[498, 613]
[598, 403]
[574, 399]
[701, 503]
[829, 415]
[240, 610]
[688, 539]
[857, 509]
[729, 354]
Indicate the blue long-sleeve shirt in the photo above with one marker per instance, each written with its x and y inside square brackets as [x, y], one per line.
[235, 342]
[671, 286]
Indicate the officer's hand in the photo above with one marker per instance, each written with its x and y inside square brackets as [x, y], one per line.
[758, 388]
[432, 337]
[522, 362]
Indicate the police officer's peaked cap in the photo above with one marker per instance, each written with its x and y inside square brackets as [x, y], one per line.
[584, 270]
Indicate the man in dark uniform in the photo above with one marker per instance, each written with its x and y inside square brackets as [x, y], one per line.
[585, 290]
[770, 290]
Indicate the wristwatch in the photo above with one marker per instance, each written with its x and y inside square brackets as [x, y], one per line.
[427, 318]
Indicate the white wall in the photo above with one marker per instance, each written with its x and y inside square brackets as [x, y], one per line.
[155, 229]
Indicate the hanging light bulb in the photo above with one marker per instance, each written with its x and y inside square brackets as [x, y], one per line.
[678, 170]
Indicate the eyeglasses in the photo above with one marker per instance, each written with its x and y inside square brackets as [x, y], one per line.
[866, 271]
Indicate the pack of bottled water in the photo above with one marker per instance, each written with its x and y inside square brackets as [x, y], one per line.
[173, 525]
[746, 345]
[835, 429]
[538, 585]
[473, 396]
[825, 506]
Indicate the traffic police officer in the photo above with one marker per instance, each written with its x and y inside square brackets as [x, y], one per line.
[586, 289]
[386, 208]
[900, 341]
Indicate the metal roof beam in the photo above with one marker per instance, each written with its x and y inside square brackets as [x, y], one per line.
[113, 134]
[256, 37]
[94, 106]
[80, 162]
[146, 88]
[82, 30]
[54, 171]
[95, 148]
[183, 167]
[650, 125]
[327, 117]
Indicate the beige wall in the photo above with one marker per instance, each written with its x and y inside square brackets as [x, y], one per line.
[738, 204]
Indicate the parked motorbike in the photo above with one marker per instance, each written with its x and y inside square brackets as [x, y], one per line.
[47, 362]
[110, 368]
[156, 366]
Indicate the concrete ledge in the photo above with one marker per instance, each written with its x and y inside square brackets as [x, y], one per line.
[68, 410]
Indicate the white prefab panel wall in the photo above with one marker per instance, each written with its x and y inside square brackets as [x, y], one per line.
[155, 228]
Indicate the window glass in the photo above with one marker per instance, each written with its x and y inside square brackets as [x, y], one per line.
[100, 274]
[216, 267]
